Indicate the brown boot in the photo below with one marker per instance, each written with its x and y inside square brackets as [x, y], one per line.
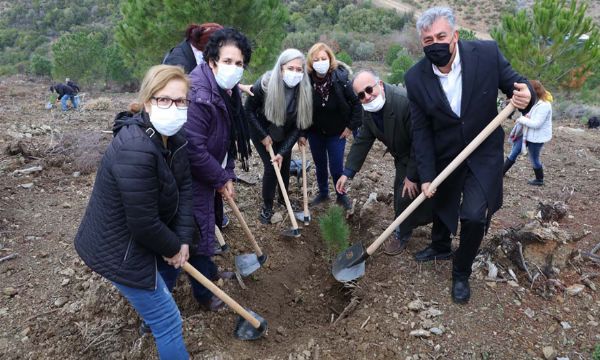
[396, 244]
[212, 304]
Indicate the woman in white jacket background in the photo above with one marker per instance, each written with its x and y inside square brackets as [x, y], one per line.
[537, 130]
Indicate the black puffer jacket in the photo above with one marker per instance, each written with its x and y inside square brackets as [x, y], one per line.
[181, 55]
[141, 204]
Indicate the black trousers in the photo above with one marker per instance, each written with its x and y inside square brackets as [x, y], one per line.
[269, 177]
[473, 222]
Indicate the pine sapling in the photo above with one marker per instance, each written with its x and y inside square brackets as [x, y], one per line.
[335, 230]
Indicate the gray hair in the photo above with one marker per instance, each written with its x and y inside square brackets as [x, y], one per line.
[431, 15]
[273, 85]
[368, 71]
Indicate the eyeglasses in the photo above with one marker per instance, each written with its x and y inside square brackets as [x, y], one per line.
[165, 102]
[369, 90]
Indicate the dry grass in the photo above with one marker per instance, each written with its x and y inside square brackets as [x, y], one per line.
[99, 104]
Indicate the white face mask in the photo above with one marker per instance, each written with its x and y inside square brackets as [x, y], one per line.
[168, 121]
[228, 75]
[292, 78]
[375, 105]
[321, 67]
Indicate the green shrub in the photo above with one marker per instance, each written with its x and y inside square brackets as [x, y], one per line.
[399, 67]
[344, 57]
[596, 353]
[40, 65]
[335, 230]
[465, 34]
[392, 54]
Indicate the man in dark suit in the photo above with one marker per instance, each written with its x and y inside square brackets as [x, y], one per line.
[387, 119]
[452, 93]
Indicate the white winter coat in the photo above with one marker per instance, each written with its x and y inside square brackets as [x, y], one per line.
[539, 123]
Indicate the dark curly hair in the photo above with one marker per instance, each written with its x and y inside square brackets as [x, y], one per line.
[227, 36]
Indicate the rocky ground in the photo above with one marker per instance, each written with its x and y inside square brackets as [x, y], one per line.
[534, 290]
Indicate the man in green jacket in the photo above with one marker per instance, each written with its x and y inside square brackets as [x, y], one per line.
[387, 118]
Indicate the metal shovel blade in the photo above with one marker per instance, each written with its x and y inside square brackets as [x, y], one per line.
[246, 264]
[350, 263]
[302, 217]
[245, 331]
[294, 233]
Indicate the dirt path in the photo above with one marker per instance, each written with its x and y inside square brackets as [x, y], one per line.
[52, 306]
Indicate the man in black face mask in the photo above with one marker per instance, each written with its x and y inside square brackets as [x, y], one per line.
[452, 94]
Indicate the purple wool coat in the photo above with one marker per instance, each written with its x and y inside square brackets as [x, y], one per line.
[208, 134]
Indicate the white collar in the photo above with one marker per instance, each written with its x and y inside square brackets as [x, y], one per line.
[455, 64]
[198, 55]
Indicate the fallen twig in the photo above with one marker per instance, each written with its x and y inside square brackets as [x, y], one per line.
[8, 257]
[594, 258]
[41, 314]
[365, 323]
[240, 281]
[595, 248]
[523, 261]
[347, 310]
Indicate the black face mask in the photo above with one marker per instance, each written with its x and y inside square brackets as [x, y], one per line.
[439, 53]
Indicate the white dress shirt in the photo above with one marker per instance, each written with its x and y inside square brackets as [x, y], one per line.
[452, 83]
[198, 55]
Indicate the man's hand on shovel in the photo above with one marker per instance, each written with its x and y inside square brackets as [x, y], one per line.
[277, 160]
[180, 258]
[428, 192]
[340, 186]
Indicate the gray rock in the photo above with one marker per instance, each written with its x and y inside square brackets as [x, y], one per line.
[276, 218]
[420, 333]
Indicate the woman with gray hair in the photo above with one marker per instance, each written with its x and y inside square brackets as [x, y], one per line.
[279, 111]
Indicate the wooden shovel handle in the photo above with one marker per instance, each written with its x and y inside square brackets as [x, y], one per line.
[304, 186]
[221, 294]
[283, 191]
[219, 236]
[240, 218]
[443, 175]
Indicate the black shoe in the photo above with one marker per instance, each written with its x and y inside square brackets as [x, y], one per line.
[508, 163]
[430, 253]
[344, 201]
[144, 329]
[266, 214]
[539, 177]
[461, 291]
[319, 199]
[225, 221]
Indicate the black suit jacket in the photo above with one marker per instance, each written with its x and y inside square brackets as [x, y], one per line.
[440, 135]
[181, 55]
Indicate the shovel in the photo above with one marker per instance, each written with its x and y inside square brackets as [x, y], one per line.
[246, 264]
[350, 264]
[294, 231]
[304, 215]
[249, 326]
[224, 247]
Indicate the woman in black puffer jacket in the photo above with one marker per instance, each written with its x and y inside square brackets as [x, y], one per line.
[141, 205]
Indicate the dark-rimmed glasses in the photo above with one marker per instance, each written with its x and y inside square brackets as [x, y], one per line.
[164, 102]
[369, 90]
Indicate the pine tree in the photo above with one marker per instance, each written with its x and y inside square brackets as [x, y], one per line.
[151, 28]
[550, 44]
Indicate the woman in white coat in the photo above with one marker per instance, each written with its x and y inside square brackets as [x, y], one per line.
[537, 130]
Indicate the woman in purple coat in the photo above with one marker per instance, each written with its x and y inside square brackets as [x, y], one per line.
[217, 136]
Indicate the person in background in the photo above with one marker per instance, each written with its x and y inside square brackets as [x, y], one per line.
[452, 93]
[282, 107]
[73, 85]
[336, 113]
[140, 209]
[65, 93]
[387, 118]
[218, 134]
[536, 129]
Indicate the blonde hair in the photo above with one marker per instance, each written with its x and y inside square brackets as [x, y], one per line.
[333, 64]
[272, 84]
[155, 79]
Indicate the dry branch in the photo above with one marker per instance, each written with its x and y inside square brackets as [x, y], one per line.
[9, 257]
[347, 310]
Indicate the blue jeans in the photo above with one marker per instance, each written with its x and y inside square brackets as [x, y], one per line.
[159, 311]
[516, 149]
[327, 148]
[534, 154]
[202, 263]
[64, 99]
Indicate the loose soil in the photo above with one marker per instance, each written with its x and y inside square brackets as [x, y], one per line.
[53, 306]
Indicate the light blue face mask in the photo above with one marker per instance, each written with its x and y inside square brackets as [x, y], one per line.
[228, 75]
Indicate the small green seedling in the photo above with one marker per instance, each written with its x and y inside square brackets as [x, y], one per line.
[335, 230]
